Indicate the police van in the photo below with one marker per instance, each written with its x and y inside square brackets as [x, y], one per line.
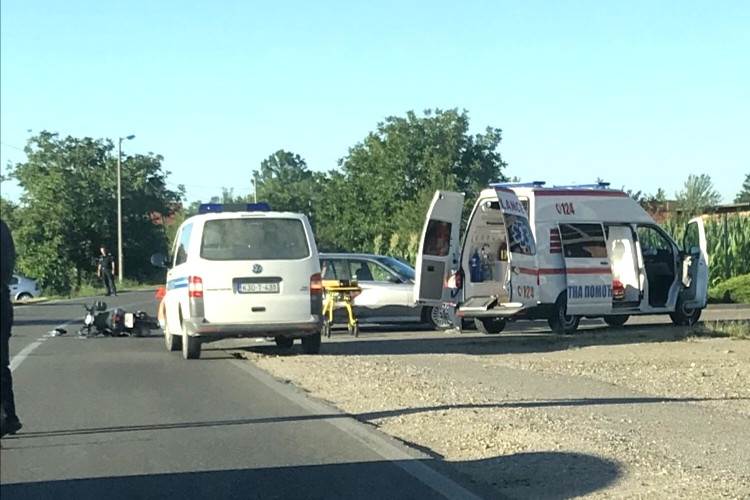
[241, 270]
[558, 253]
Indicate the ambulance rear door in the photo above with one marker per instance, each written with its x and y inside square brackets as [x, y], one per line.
[587, 268]
[439, 251]
[522, 258]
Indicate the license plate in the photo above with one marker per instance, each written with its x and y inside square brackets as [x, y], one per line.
[259, 288]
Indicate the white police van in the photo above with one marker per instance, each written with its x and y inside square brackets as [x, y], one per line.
[242, 270]
[558, 253]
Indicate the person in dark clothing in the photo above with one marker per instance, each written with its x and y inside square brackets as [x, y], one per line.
[105, 269]
[9, 423]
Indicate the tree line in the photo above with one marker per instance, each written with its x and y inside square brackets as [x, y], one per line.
[374, 201]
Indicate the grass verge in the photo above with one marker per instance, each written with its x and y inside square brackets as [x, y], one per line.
[732, 329]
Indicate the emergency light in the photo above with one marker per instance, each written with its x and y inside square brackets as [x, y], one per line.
[518, 184]
[598, 185]
[208, 208]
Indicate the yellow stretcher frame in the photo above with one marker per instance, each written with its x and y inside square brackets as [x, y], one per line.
[337, 292]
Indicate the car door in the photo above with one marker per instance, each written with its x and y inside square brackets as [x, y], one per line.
[438, 248]
[695, 264]
[587, 268]
[522, 259]
[383, 297]
[177, 281]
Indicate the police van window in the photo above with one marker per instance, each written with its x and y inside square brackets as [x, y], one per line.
[583, 241]
[437, 238]
[251, 238]
[181, 253]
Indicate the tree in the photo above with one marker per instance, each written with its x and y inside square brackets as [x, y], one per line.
[68, 208]
[698, 195]
[744, 195]
[392, 174]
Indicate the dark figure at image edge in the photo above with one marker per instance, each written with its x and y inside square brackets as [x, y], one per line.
[9, 423]
[105, 269]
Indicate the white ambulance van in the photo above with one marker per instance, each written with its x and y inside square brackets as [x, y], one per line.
[558, 253]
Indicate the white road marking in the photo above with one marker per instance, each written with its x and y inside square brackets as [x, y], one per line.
[411, 463]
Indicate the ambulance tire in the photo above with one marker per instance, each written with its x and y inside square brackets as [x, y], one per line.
[561, 323]
[616, 320]
[685, 316]
[284, 342]
[490, 326]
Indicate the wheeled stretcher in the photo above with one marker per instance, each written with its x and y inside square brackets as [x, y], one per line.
[340, 293]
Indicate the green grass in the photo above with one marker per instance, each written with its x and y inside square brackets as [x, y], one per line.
[729, 329]
[733, 290]
[93, 291]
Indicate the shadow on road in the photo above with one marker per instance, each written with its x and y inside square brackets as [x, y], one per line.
[549, 475]
[373, 342]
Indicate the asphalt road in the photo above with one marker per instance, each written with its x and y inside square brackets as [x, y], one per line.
[122, 418]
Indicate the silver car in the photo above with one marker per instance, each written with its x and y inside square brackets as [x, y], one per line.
[387, 289]
[23, 288]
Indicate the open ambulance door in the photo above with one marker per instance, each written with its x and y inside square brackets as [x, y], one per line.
[695, 265]
[438, 249]
[524, 270]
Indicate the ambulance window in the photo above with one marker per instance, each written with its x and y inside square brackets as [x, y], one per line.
[437, 239]
[525, 203]
[583, 241]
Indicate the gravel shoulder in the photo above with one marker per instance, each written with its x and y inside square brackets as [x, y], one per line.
[637, 412]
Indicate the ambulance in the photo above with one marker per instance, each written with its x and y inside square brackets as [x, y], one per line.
[558, 253]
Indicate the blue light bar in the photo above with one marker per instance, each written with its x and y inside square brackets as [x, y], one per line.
[518, 184]
[210, 208]
[598, 185]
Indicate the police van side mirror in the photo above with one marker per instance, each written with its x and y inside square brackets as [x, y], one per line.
[159, 260]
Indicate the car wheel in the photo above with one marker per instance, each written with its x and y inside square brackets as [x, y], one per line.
[173, 342]
[439, 318]
[284, 342]
[23, 297]
[616, 320]
[311, 344]
[490, 326]
[561, 323]
[191, 346]
[685, 316]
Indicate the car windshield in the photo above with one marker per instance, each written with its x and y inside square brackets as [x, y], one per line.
[402, 269]
[254, 239]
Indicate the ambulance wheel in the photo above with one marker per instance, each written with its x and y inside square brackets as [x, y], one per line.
[616, 320]
[284, 342]
[561, 323]
[685, 316]
[490, 326]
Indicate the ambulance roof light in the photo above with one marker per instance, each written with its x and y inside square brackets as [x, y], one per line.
[598, 185]
[209, 208]
[532, 184]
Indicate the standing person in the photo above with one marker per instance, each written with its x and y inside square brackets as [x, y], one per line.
[106, 269]
[9, 423]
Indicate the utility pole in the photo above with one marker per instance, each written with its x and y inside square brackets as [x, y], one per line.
[119, 206]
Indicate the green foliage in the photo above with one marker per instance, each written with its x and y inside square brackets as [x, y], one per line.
[744, 195]
[735, 289]
[698, 195]
[728, 241]
[69, 208]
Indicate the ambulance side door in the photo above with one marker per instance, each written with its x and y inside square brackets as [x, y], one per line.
[438, 248]
[695, 264]
[587, 268]
[522, 258]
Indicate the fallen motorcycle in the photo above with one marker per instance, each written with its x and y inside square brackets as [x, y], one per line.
[114, 323]
[96, 321]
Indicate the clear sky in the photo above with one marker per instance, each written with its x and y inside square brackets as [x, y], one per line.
[640, 93]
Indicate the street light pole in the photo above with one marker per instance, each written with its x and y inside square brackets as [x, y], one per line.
[119, 206]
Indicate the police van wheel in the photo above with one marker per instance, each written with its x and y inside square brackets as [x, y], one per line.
[490, 326]
[173, 342]
[284, 342]
[616, 320]
[561, 323]
[311, 344]
[685, 316]
[191, 346]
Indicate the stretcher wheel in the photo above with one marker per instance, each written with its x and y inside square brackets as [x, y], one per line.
[326, 328]
[350, 328]
[356, 329]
